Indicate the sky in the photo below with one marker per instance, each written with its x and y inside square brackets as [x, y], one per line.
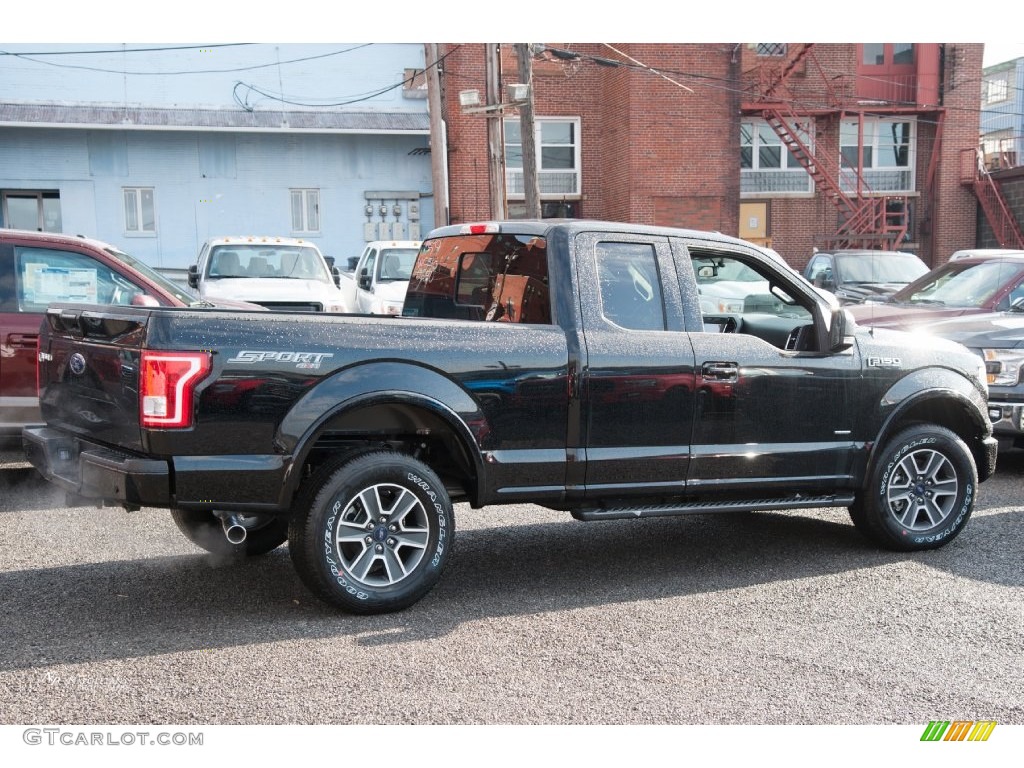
[997, 53]
[330, 21]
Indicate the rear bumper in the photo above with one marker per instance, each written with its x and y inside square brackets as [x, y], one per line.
[95, 472]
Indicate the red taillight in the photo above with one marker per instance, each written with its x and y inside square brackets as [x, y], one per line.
[166, 386]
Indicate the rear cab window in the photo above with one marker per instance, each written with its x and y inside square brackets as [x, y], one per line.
[493, 277]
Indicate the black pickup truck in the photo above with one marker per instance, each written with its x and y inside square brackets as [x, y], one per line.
[561, 363]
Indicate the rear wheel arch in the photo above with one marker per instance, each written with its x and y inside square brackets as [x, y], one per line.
[401, 422]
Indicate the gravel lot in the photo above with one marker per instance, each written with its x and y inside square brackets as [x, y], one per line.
[786, 618]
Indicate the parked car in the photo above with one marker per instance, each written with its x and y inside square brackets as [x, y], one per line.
[998, 338]
[284, 273]
[986, 252]
[37, 268]
[966, 286]
[854, 276]
[379, 277]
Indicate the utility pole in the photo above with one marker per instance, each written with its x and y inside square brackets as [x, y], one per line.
[495, 133]
[438, 140]
[531, 184]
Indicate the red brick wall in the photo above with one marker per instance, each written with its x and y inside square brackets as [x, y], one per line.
[654, 152]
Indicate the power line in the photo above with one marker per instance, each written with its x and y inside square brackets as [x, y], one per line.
[243, 102]
[27, 57]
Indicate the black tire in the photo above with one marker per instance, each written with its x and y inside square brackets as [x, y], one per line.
[372, 534]
[204, 529]
[921, 491]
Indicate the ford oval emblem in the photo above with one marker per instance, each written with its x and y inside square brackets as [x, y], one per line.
[77, 363]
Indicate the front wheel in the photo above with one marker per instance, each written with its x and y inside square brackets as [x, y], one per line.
[921, 491]
[373, 534]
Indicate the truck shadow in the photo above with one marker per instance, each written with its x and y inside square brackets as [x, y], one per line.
[126, 609]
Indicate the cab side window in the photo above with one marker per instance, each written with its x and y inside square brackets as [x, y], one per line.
[630, 286]
[43, 276]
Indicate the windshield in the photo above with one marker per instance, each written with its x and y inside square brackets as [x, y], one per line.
[177, 290]
[881, 267]
[959, 285]
[396, 263]
[262, 260]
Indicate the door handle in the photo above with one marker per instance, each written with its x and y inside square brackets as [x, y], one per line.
[720, 371]
[22, 340]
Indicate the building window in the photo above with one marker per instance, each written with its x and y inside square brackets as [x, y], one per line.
[999, 149]
[886, 157]
[23, 209]
[766, 164]
[305, 211]
[997, 89]
[883, 54]
[558, 158]
[139, 211]
[771, 49]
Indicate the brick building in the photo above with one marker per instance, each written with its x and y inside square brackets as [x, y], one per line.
[794, 145]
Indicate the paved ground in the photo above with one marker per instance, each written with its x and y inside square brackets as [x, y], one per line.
[787, 618]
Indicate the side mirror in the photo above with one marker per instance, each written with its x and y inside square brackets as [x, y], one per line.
[364, 279]
[193, 276]
[838, 340]
[336, 274]
[824, 280]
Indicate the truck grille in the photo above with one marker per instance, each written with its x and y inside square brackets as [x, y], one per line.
[293, 306]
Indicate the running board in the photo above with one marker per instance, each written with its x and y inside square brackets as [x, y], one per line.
[704, 507]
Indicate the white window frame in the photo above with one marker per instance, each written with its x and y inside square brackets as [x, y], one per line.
[997, 88]
[550, 180]
[134, 208]
[880, 177]
[761, 179]
[305, 216]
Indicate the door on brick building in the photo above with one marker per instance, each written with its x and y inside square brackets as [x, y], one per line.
[754, 223]
[38, 211]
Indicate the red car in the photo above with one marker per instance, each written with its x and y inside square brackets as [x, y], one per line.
[37, 268]
[962, 287]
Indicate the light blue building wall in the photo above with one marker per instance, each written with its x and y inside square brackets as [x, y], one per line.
[1002, 115]
[244, 139]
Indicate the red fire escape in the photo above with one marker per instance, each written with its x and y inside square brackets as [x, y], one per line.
[866, 219]
[1005, 228]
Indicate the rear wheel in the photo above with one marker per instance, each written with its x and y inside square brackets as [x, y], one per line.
[372, 534]
[921, 491]
[205, 530]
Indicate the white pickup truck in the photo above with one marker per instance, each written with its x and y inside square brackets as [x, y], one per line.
[283, 273]
[378, 279]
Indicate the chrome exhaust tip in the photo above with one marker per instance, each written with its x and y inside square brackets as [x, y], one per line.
[234, 530]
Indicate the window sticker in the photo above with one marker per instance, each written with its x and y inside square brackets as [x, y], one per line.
[44, 284]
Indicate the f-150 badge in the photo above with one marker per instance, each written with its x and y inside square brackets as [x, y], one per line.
[884, 362]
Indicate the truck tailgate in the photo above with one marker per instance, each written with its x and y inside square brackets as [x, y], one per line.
[89, 372]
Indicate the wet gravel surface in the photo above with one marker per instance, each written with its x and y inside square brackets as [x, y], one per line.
[788, 618]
